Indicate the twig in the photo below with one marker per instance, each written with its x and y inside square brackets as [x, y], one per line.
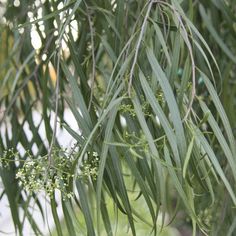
[50, 159]
[133, 30]
[138, 46]
[93, 54]
[193, 92]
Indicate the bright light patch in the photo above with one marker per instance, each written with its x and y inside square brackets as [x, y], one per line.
[3, 20]
[158, 120]
[74, 29]
[35, 40]
[64, 45]
[21, 30]
[41, 27]
[30, 14]
[16, 3]
[60, 6]
[44, 57]
[67, 29]
[113, 2]
[40, 15]
[37, 3]
[55, 23]
[123, 121]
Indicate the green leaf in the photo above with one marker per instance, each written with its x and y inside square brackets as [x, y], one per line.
[188, 156]
[171, 101]
[85, 208]
[215, 35]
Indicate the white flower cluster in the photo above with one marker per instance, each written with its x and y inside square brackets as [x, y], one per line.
[7, 157]
[37, 175]
[89, 168]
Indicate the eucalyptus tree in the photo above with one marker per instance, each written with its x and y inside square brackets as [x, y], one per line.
[150, 84]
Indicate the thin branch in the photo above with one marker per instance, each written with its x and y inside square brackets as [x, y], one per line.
[193, 92]
[133, 30]
[93, 54]
[138, 46]
[50, 159]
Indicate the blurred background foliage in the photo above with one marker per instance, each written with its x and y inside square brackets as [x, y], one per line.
[152, 87]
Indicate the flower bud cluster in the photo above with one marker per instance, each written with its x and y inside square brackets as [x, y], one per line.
[58, 173]
[39, 175]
